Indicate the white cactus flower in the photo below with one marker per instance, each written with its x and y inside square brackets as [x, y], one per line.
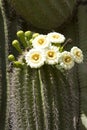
[55, 37]
[41, 42]
[35, 58]
[77, 54]
[52, 55]
[66, 60]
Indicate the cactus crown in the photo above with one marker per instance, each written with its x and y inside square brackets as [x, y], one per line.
[37, 49]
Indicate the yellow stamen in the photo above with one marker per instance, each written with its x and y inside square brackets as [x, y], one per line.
[51, 54]
[41, 41]
[35, 57]
[78, 53]
[67, 59]
[56, 36]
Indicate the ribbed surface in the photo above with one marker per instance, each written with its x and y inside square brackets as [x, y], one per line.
[44, 14]
[7, 30]
[77, 30]
[2, 73]
[82, 23]
[71, 31]
[40, 100]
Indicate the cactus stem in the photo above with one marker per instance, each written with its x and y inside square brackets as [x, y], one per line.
[45, 103]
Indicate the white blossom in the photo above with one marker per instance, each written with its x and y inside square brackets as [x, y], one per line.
[41, 42]
[66, 60]
[35, 58]
[55, 37]
[77, 54]
[52, 55]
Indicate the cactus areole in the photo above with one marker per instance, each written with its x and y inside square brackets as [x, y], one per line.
[44, 14]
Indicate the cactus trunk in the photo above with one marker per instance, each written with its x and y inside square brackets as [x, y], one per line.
[82, 73]
[40, 99]
[3, 80]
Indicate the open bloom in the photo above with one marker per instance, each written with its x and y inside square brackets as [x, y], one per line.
[52, 55]
[66, 60]
[77, 54]
[35, 58]
[55, 37]
[41, 42]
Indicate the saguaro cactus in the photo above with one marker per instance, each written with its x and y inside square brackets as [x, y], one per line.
[42, 98]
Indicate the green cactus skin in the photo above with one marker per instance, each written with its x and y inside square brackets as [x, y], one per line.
[2, 74]
[40, 100]
[44, 14]
[8, 29]
[78, 32]
[82, 69]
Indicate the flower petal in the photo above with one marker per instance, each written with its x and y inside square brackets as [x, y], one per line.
[55, 37]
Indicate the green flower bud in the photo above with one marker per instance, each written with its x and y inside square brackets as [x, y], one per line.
[11, 57]
[28, 35]
[31, 41]
[16, 44]
[21, 36]
[18, 64]
[35, 35]
[61, 49]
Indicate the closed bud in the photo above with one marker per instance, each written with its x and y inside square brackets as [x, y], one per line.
[28, 35]
[11, 57]
[21, 36]
[17, 64]
[31, 41]
[35, 35]
[16, 44]
[61, 49]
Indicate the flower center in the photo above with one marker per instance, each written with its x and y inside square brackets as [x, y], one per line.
[78, 53]
[67, 59]
[35, 57]
[41, 41]
[55, 36]
[51, 54]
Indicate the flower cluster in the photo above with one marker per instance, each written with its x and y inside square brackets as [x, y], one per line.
[45, 49]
